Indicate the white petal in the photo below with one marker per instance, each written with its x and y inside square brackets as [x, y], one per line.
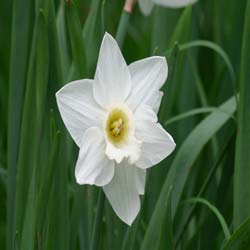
[174, 3]
[93, 166]
[146, 6]
[157, 144]
[148, 76]
[145, 113]
[122, 192]
[155, 101]
[112, 77]
[140, 180]
[130, 150]
[78, 108]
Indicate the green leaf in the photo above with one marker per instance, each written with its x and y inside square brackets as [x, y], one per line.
[79, 215]
[21, 33]
[31, 131]
[28, 232]
[76, 41]
[95, 238]
[167, 234]
[62, 229]
[216, 213]
[192, 146]
[173, 85]
[184, 160]
[198, 82]
[162, 17]
[131, 233]
[58, 58]
[240, 240]
[44, 192]
[216, 48]
[228, 140]
[152, 235]
[169, 87]
[3, 175]
[182, 29]
[62, 41]
[188, 114]
[48, 179]
[122, 28]
[193, 112]
[242, 157]
[130, 237]
[92, 33]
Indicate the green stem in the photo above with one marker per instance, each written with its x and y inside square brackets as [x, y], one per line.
[98, 220]
[122, 27]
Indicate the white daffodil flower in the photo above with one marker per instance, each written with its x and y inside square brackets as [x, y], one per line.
[146, 6]
[113, 121]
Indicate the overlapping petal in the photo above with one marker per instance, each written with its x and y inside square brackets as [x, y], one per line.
[140, 180]
[157, 143]
[112, 77]
[123, 191]
[174, 3]
[93, 166]
[146, 6]
[78, 108]
[148, 76]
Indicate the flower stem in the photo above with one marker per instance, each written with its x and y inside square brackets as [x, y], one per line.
[124, 21]
[98, 220]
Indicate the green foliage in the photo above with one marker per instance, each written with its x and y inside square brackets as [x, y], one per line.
[240, 238]
[46, 43]
[242, 160]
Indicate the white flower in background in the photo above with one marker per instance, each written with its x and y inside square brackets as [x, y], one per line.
[146, 6]
[113, 120]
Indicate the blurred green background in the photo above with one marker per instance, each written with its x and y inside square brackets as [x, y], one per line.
[45, 44]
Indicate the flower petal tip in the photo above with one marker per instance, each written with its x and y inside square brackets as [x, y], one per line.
[108, 36]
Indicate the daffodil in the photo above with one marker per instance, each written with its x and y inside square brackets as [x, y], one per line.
[146, 6]
[113, 120]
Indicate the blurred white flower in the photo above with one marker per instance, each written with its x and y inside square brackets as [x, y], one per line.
[113, 120]
[146, 6]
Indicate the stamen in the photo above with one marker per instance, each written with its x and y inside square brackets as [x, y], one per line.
[116, 127]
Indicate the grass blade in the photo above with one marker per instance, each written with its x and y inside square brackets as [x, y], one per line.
[3, 176]
[193, 145]
[188, 114]
[221, 154]
[183, 162]
[216, 48]
[62, 40]
[122, 28]
[93, 32]
[242, 157]
[18, 65]
[193, 112]
[215, 211]
[98, 220]
[76, 41]
[182, 29]
[167, 236]
[240, 240]
[31, 131]
[152, 236]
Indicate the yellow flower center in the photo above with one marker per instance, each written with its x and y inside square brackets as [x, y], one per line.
[117, 126]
